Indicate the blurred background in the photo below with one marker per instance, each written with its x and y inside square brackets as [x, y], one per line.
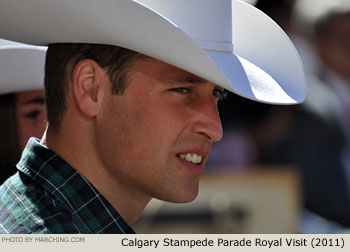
[280, 169]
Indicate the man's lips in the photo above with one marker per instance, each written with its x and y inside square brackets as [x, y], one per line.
[195, 156]
[194, 159]
[191, 157]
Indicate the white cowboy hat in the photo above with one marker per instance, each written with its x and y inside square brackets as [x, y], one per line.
[227, 42]
[21, 67]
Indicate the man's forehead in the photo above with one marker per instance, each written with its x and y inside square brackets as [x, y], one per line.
[166, 72]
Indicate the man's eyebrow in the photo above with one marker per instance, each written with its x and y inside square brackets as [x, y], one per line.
[184, 80]
[37, 100]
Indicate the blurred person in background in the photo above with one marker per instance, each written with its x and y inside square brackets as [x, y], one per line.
[314, 136]
[22, 110]
[331, 37]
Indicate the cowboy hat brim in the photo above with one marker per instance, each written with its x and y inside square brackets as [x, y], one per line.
[21, 67]
[263, 65]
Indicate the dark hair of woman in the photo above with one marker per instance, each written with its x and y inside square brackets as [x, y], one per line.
[9, 147]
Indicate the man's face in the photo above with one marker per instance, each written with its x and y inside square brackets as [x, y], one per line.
[164, 117]
[335, 46]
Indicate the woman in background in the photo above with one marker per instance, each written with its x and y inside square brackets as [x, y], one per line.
[22, 111]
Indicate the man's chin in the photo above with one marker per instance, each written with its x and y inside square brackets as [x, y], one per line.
[182, 198]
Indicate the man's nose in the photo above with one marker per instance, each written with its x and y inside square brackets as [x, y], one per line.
[209, 123]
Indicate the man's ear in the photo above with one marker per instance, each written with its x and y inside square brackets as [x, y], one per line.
[87, 80]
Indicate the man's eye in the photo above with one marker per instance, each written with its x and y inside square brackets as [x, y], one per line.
[181, 90]
[221, 94]
[32, 115]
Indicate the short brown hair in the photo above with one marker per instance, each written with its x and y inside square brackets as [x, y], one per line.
[61, 60]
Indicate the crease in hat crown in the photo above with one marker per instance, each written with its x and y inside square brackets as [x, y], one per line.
[210, 27]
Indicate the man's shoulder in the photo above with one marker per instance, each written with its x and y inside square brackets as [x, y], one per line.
[25, 207]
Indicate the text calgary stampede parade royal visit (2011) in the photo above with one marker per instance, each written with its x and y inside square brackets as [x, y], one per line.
[244, 242]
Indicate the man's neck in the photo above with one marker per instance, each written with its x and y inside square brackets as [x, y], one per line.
[82, 156]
